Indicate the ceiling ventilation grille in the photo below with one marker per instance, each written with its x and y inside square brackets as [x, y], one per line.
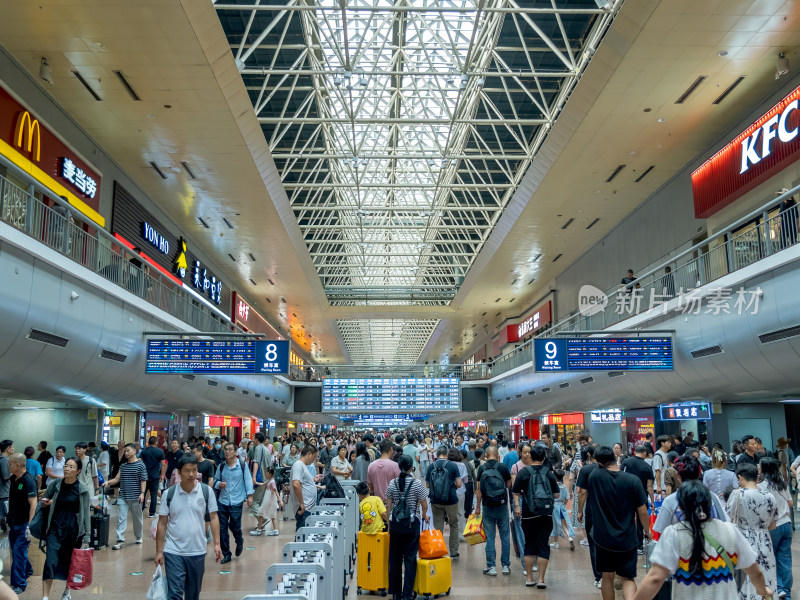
[616, 373]
[587, 380]
[87, 86]
[563, 385]
[213, 383]
[615, 172]
[231, 388]
[593, 223]
[127, 85]
[645, 174]
[109, 355]
[187, 377]
[188, 170]
[732, 87]
[157, 169]
[780, 334]
[567, 224]
[710, 351]
[690, 90]
[203, 223]
[545, 389]
[531, 393]
[47, 338]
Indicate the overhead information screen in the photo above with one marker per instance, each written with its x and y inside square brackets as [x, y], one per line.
[603, 354]
[390, 395]
[380, 421]
[219, 357]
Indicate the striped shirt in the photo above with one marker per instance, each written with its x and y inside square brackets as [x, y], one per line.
[130, 477]
[417, 493]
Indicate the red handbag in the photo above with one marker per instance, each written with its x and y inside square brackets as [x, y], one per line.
[80, 569]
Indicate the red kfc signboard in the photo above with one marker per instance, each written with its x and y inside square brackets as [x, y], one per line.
[758, 153]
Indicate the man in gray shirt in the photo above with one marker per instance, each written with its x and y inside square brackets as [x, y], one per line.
[304, 487]
[6, 450]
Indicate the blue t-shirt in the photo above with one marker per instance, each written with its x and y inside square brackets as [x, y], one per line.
[511, 459]
[33, 467]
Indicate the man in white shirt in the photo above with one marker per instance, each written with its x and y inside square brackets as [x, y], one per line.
[180, 537]
[660, 463]
[304, 487]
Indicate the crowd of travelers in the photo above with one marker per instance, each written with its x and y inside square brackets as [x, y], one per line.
[724, 520]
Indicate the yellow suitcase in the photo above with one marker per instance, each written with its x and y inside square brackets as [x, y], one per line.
[434, 577]
[373, 563]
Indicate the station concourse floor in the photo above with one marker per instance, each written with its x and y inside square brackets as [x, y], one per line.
[126, 574]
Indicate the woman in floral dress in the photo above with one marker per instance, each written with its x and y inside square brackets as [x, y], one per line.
[755, 512]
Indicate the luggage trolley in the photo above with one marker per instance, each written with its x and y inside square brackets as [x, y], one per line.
[296, 579]
[316, 532]
[338, 513]
[313, 552]
[352, 518]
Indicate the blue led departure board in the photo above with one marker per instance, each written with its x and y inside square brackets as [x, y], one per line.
[390, 395]
[219, 357]
[603, 354]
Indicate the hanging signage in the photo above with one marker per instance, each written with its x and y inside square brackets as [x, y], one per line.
[530, 324]
[40, 153]
[563, 419]
[766, 147]
[685, 411]
[220, 421]
[603, 354]
[135, 227]
[607, 415]
[248, 318]
[221, 357]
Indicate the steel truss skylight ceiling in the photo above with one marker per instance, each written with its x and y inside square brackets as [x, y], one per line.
[385, 341]
[402, 129]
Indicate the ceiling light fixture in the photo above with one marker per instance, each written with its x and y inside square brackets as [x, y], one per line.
[602, 3]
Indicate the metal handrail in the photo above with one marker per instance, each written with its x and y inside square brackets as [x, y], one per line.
[464, 372]
[59, 228]
[723, 254]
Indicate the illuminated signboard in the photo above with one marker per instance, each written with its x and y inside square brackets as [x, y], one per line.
[83, 182]
[766, 147]
[219, 421]
[217, 357]
[249, 319]
[607, 415]
[156, 240]
[536, 320]
[390, 395]
[603, 354]
[685, 411]
[563, 419]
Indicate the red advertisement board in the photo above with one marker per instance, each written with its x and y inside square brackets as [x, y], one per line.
[534, 321]
[758, 153]
[219, 421]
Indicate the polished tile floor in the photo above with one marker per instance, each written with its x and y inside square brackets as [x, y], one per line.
[126, 574]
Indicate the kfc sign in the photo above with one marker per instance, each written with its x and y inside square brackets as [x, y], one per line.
[765, 148]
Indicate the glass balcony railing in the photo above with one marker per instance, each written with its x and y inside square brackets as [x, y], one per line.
[762, 233]
[58, 228]
[317, 373]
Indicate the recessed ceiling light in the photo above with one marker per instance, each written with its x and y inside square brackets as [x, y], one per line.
[99, 45]
[661, 120]
[632, 152]
[722, 53]
[150, 116]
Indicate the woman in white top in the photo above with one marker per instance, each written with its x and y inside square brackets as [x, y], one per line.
[719, 478]
[424, 455]
[771, 481]
[339, 465]
[55, 466]
[700, 552]
[104, 461]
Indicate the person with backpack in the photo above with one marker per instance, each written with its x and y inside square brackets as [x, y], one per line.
[404, 496]
[615, 499]
[555, 457]
[236, 486]
[537, 487]
[492, 481]
[443, 479]
[180, 534]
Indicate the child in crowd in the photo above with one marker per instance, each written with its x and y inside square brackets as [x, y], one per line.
[269, 507]
[562, 524]
[671, 480]
[371, 508]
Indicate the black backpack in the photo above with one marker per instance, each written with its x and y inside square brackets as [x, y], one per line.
[539, 496]
[493, 486]
[402, 519]
[333, 489]
[441, 483]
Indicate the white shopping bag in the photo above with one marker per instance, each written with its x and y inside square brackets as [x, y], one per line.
[158, 587]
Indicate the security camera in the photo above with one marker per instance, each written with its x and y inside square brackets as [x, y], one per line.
[45, 72]
[783, 66]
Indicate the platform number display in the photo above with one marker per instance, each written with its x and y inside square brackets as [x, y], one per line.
[274, 355]
[637, 353]
[551, 355]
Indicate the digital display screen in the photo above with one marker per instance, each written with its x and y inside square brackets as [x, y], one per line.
[218, 357]
[380, 421]
[685, 411]
[390, 395]
[603, 354]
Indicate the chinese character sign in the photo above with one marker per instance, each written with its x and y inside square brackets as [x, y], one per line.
[78, 178]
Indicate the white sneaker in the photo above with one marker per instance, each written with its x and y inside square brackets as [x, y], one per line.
[138, 540]
[554, 545]
[506, 570]
[524, 572]
[273, 532]
[584, 542]
[66, 596]
[118, 546]
[256, 531]
[535, 568]
[598, 584]
[491, 571]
